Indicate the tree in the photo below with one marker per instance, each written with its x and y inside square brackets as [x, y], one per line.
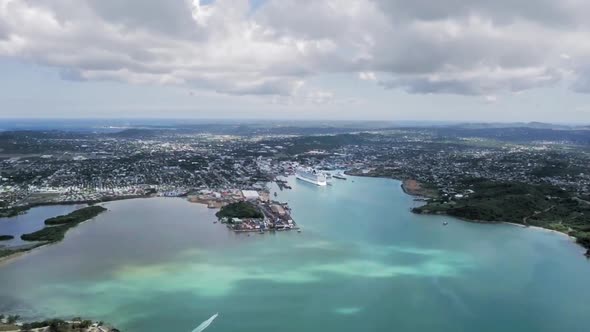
[11, 319]
[26, 327]
[58, 325]
[85, 324]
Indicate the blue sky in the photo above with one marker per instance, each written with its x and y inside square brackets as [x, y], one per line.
[354, 59]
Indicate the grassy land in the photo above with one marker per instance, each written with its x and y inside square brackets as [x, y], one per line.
[239, 210]
[535, 205]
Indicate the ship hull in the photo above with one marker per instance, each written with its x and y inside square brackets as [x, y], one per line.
[317, 183]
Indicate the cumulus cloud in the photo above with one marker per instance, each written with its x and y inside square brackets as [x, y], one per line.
[476, 47]
[490, 99]
[367, 76]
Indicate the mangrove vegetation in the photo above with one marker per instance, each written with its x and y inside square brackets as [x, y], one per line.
[57, 227]
[239, 210]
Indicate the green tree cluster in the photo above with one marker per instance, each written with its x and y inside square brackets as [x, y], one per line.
[239, 210]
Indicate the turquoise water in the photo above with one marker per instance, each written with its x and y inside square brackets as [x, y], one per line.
[362, 263]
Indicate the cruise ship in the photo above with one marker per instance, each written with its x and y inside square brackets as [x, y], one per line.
[312, 176]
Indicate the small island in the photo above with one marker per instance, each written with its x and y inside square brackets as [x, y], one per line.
[242, 209]
[6, 237]
[57, 227]
[256, 216]
[54, 231]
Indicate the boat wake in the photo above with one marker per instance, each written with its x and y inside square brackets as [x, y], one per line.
[205, 324]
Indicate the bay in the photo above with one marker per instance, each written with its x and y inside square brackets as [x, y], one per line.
[362, 262]
[31, 221]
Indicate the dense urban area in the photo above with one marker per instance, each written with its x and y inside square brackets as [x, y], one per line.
[529, 175]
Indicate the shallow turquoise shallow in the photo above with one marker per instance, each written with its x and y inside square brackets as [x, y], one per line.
[362, 263]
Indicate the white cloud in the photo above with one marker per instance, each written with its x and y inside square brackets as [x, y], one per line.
[461, 47]
[367, 76]
[490, 99]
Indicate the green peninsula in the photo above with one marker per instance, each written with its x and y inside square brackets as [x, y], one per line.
[544, 206]
[58, 226]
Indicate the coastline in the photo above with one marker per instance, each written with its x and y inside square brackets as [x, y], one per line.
[74, 324]
[412, 187]
[20, 253]
[17, 252]
[12, 257]
[416, 188]
[547, 230]
[537, 228]
[409, 185]
[24, 208]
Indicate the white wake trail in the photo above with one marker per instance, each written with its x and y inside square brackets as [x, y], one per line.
[206, 323]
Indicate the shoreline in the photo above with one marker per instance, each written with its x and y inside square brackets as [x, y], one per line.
[537, 228]
[415, 188]
[17, 253]
[25, 208]
[414, 193]
[410, 187]
[20, 253]
[542, 229]
[77, 324]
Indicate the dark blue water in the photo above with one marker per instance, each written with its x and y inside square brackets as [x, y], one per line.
[33, 220]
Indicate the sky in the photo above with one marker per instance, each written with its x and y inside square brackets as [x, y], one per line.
[445, 60]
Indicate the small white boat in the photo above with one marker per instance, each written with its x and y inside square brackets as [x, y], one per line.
[205, 324]
[339, 176]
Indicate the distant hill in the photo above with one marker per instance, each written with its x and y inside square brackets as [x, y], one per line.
[135, 133]
[517, 134]
[533, 125]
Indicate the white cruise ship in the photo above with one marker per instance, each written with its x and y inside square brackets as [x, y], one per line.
[312, 176]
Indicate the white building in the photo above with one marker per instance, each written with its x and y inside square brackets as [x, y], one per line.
[250, 195]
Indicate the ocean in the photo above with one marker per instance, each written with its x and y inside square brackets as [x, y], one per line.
[363, 262]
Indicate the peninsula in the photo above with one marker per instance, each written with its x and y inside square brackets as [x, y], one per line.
[54, 230]
[542, 206]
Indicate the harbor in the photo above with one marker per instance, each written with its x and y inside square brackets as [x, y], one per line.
[277, 217]
[166, 257]
[248, 210]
